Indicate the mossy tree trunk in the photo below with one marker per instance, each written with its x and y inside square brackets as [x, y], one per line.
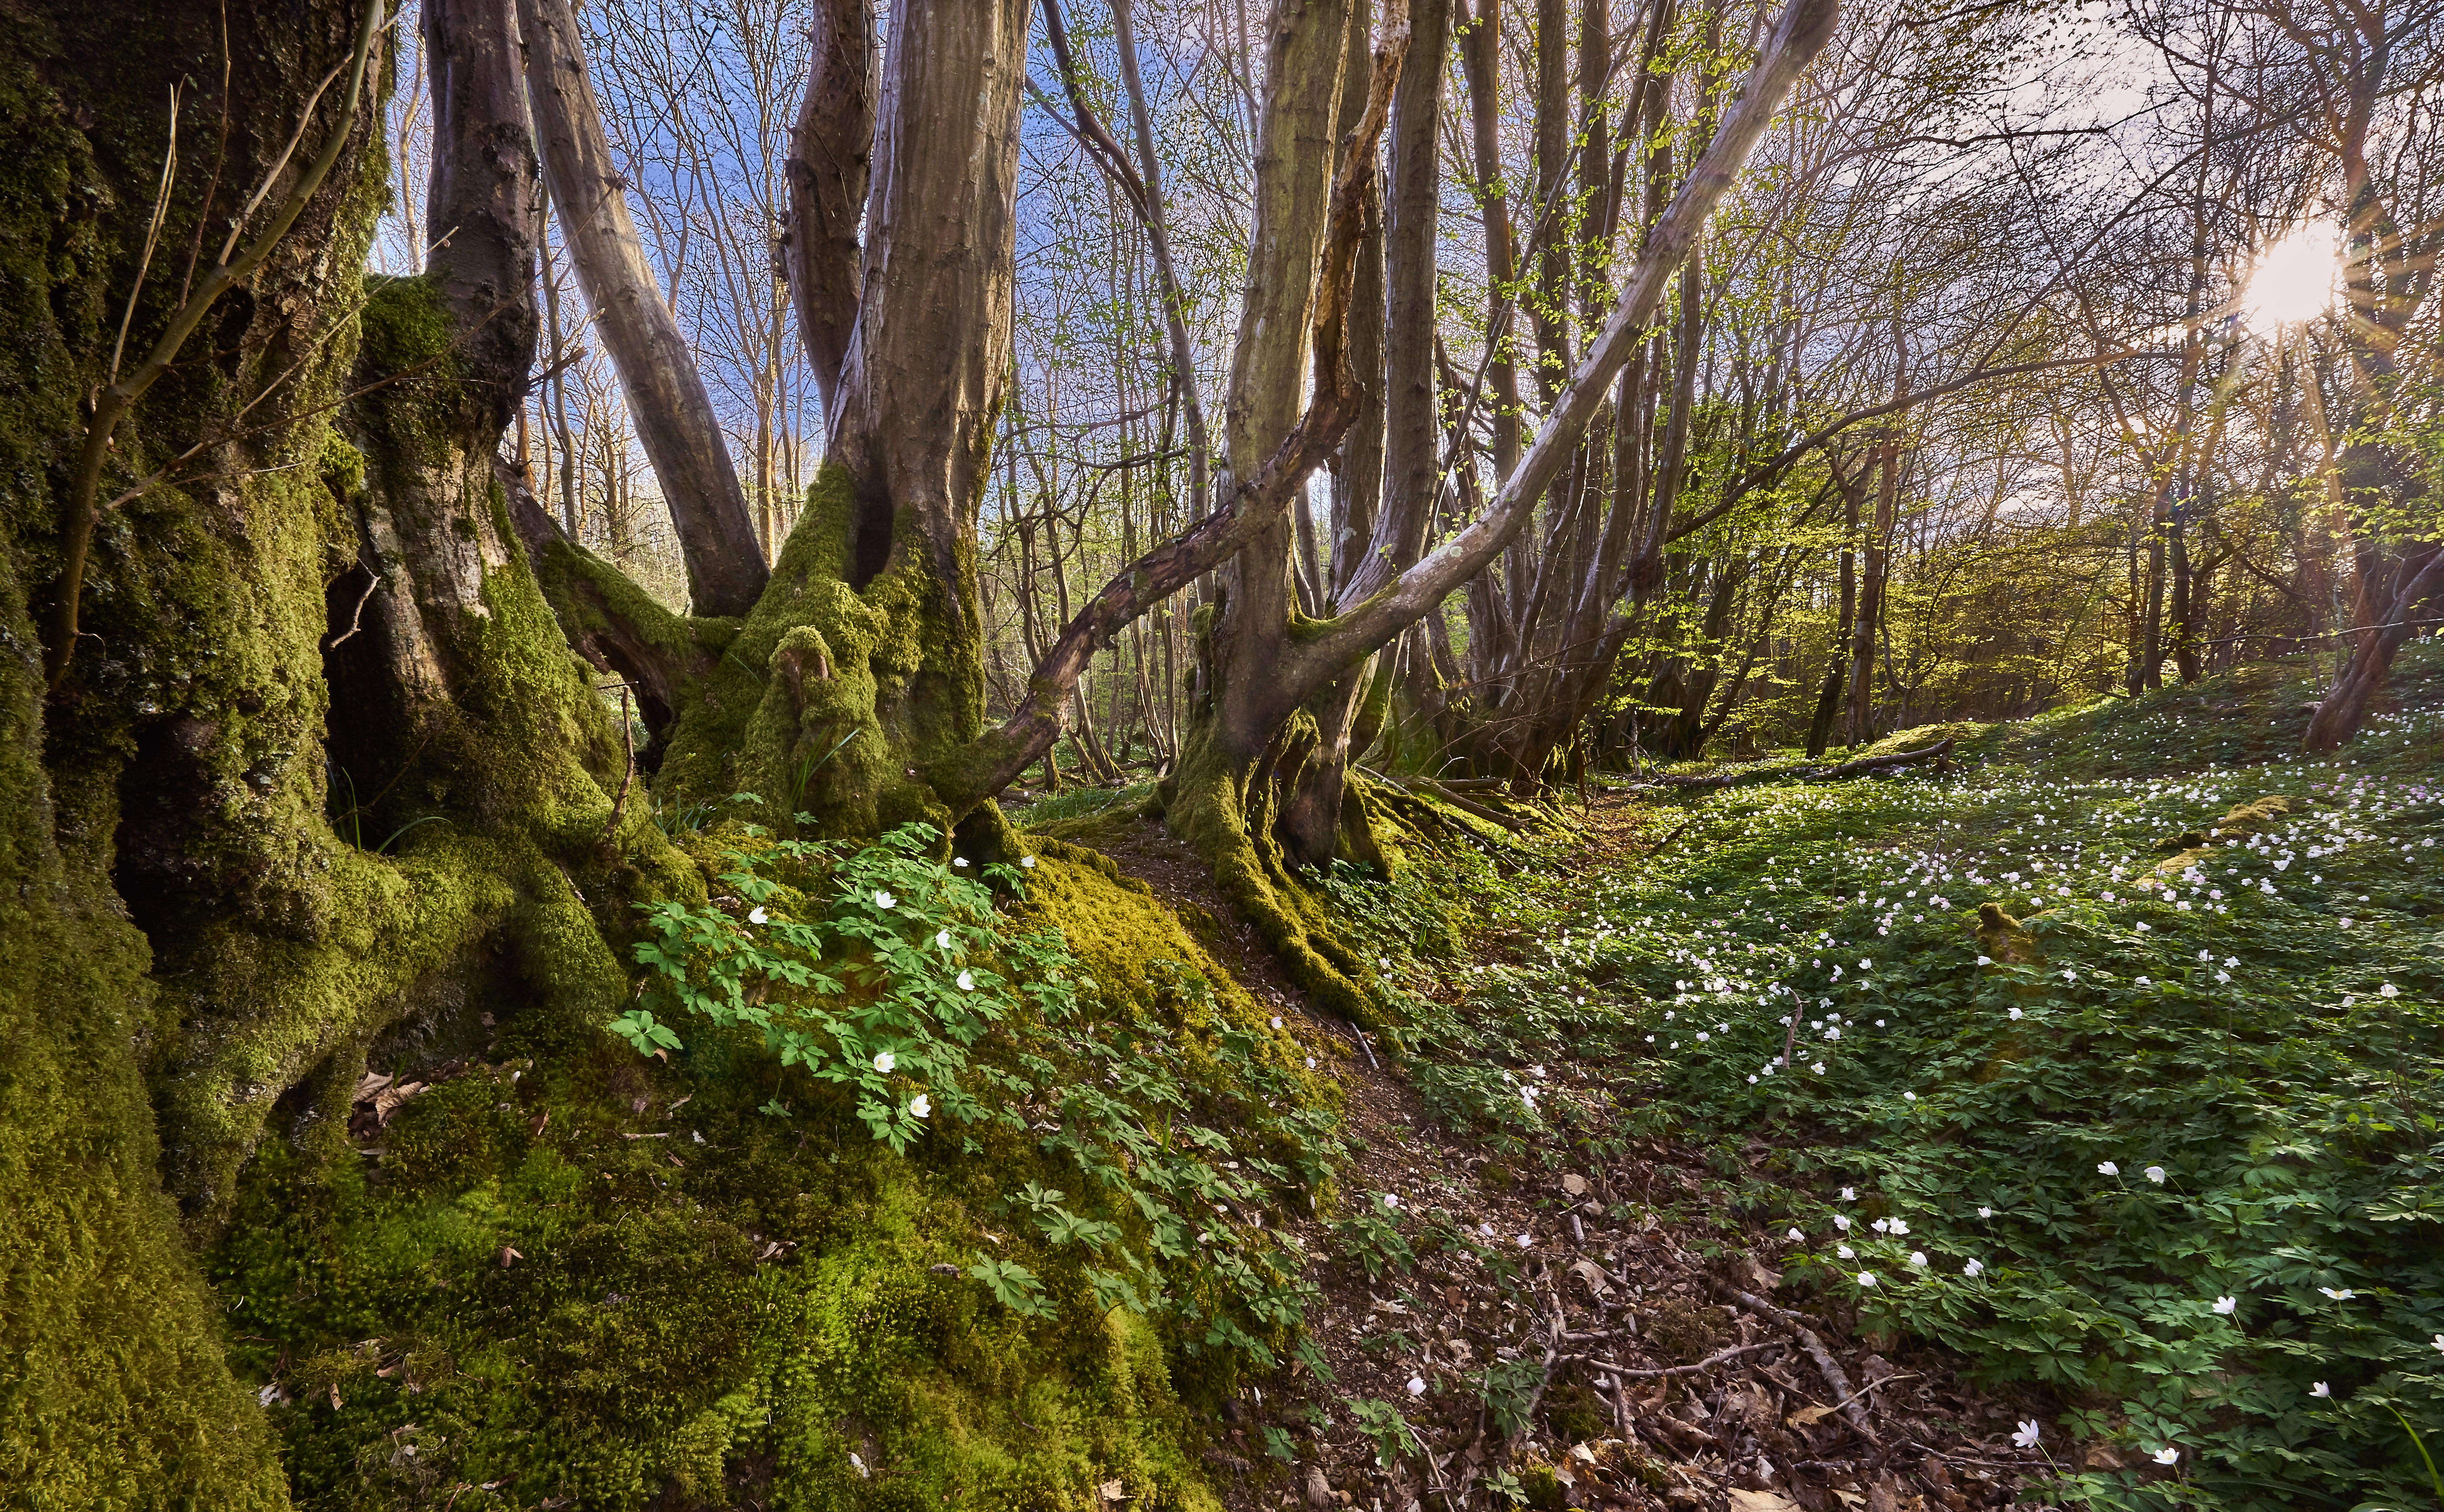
[321, 757]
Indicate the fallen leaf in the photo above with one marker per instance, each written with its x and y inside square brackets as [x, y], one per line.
[1112, 1491]
[1593, 1274]
[334, 1397]
[540, 1121]
[507, 1255]
[1575, 1185]
[1850, 1498]
[1809, 1415]
[1580, 1452]
[1760, 1502]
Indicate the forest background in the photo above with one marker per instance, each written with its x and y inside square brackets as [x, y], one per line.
[2033, 358]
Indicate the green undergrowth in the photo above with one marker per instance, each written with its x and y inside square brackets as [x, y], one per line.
[896, 1186]
[1080, 803]
[2118, 1065]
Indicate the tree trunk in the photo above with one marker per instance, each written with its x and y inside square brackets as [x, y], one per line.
[666, 396]
[317, 606]
[829, 170]
[2341, 713]
[1837, 671]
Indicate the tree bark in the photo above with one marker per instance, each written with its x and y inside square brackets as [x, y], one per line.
[666, 400]
[829, 170]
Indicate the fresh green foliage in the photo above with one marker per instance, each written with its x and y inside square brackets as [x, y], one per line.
[890, 979]
[2159, 1134]
[1383, 1423]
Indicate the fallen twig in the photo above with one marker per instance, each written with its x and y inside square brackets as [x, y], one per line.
[1831, 1367]
[1706, 1364]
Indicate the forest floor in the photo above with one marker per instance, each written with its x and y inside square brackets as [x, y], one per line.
[1553, 1267]
[2162, 1098]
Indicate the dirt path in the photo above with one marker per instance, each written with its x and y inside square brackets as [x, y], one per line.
[1546, 1337]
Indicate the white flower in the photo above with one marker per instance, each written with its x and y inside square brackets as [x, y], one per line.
[1985, 1212]
[1909, 1096]
[2106, 1168]
[2154, 1173]
[942, 939]
[1525, 1241]
[2142, 926]
[2227, 1305]
[884, 900]
[2030, 1432]
[1842, 1221]
[1849, 1194]
[1974, 1270]
[2168, 1455]
[2232, 960]
[1985, 960]
[1310, 1063]
[921, 1106]
[1391, 1200]
[1703, 1037]
[2438, 1342]
[2015, 1014]
[1277, 1021]
[2320, 1389]
[859, 1465]
[884, 1061]
[958, 860]
[2144, 982]
[1882, 1225]
[1917, 1258]
[2388, 990]
[1866, 965]
[1416, 1386]
[2340, 1295]
[1027, 861]
[755, 915]
[2069, 975]
[1794, 1236]
[1898, 1228]
[967, 981]
[1866, 1278]
[1818, 1068]
[1845, 1252]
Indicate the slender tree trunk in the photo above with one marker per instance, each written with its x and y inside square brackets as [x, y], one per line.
[1837, 671]
[828, 168]
[666, 400]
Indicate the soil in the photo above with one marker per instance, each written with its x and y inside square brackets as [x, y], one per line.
[1653, 1368]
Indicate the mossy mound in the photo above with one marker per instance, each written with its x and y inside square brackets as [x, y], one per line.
[564, 1271]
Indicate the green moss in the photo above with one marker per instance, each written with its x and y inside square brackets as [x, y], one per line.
[115, 1395]
[834, 701]
[722, 1313]
[1228, 816]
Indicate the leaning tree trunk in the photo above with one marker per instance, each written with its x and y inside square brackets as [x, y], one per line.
[666, 400]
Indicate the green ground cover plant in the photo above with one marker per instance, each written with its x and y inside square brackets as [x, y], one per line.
[895, 1186]
[2112, 1059]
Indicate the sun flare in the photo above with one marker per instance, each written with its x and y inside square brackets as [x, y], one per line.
[2294, 281]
